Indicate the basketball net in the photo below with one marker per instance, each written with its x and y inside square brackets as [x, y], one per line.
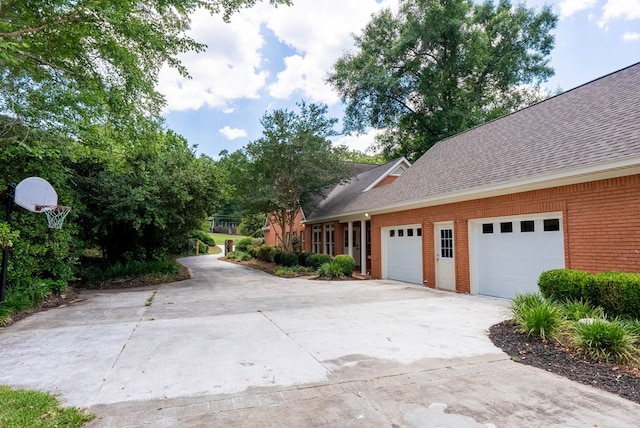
[55, 214]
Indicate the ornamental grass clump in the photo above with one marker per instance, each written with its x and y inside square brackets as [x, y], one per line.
[604, 340]
[576, 310]
[330, 270]
[535, 316]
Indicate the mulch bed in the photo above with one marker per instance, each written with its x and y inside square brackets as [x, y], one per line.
[555, 358]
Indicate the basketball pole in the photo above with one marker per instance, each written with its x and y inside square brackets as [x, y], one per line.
[11, 189]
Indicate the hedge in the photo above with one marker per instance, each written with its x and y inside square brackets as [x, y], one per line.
[618, 293]
[346, 263]
[316, 260]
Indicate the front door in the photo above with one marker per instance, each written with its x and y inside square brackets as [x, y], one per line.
[445, 265]
[355, 242]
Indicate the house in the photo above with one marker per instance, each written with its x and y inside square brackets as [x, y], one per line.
[365, 176]
[554, 185]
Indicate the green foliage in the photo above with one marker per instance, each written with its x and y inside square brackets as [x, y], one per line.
[315, 260]
[22, 408]
[302, 259]
[7, 236]
[436, 68]
[244, 244]
[604, 340]
[252, 224]
[330, 270]
[346, 263]
[265, 253]
[289, 259]
[291, 271]
[204, 237]
[97, 272]
[576, 310]
[240, 256]
[633, 326]
[290, 165]
[619, 293]
[535, 316]
[566, 284]
[357, 156]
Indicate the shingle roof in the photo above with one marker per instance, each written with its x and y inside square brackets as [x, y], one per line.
[343, 193]
[592, 124]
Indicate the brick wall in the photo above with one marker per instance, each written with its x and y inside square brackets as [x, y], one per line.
[601, 224]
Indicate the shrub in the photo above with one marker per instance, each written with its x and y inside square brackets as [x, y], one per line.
[535, 316]
[289, 259]
[204, 237]
[566, 284]
[633, 326]
[241, 256]
[576, 310]
[330, 270]
[277, 256]
[346, 262]
[244, 244]
[302, 259]
[290, 272]
[265, 253]
[316, 260]
[604, 340]
[619, 293]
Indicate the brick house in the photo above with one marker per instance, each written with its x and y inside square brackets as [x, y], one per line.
[554, 185]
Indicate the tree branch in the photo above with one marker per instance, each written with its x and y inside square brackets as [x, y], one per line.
[75, 17]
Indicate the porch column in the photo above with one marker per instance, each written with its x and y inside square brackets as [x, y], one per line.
[363, 246]
[349, 242]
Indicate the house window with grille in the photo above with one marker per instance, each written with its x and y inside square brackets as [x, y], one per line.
[328, 239]
[317, 238]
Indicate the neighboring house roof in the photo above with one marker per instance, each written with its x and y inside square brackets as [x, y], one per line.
[587, 133]
[362, 182]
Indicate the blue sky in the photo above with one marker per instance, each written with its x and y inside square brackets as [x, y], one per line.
[269, 58]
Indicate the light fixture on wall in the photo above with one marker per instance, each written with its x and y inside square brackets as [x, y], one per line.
[366, 215]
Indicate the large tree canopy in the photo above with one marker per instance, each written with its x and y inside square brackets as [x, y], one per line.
[70, 64]
[291, 165]
[439, 67]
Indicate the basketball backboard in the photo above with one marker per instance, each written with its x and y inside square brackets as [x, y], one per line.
[32, 193]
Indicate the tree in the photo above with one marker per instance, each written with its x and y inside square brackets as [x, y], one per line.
[69, 64]
[439, 67]
[291, 165]
[252, 224]
[358, 156]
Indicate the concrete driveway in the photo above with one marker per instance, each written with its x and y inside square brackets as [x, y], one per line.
[236, 347]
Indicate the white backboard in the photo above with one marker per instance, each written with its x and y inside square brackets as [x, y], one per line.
[33, 192]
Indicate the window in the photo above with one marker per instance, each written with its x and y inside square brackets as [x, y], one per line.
[506, 227]
[409, 232]
[487, 228]
[446, 243]
[317, 238]
[328, 239]
[527, 226]
[400, 233]
[419, 231]
[552, 225]
[392, 233]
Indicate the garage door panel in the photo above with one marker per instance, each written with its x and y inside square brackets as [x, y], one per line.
[510, 263]
[403, 255]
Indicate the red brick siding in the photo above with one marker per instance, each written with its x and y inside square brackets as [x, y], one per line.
[273, 235]
[387, 180]
[601, 223]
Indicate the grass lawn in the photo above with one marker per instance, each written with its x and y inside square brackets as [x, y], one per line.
[221, 237]
[21, 409]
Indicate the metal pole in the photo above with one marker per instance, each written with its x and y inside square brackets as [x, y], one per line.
[11, 192]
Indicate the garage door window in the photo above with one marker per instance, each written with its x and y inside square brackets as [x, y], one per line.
[409, 232]
[400, 233]
[392, 233]
[527, 226]
[487, 228]
[419, 231]
[552, 225]
[506, 227]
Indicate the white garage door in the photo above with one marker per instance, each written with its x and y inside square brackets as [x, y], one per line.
[402, 253]
[511, 253]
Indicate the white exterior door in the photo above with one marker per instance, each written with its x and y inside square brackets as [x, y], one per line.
[402, 253]
[509, 254]
[354, 242]
[445, 259]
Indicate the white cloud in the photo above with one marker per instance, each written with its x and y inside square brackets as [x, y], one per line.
[229, 69]
[569, 8]
[614, 9]
[233, 133]
[360, 142]
[631, 36]
[320, 36]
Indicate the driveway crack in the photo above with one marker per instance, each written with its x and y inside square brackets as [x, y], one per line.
[296, 342]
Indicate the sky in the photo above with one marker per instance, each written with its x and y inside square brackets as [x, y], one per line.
[270, 58]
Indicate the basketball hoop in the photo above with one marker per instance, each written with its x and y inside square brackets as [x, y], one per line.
[55, 214]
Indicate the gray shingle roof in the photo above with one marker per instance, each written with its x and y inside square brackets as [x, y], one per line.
[592, 124]
[345, 192]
